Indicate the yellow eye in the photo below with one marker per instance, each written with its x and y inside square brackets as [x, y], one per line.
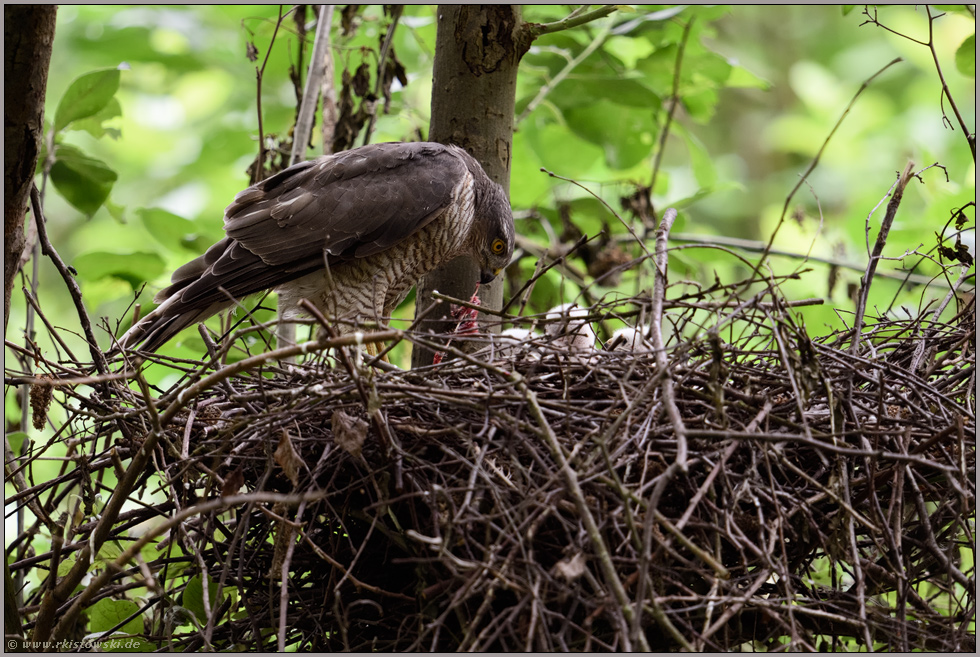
[498, 246]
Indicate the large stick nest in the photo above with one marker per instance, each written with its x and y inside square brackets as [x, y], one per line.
[532, 498]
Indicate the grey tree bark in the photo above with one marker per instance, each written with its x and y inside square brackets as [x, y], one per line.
[478, 49]
[28, 33]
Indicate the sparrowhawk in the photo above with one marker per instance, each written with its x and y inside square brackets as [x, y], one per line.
[351, 232]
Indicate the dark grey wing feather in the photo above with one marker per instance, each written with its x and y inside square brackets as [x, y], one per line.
[350, 205]
[325, 211]
[332, 209]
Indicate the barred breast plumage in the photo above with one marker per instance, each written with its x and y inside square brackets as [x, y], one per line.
[370, 289]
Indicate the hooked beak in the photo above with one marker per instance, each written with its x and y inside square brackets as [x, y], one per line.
[487, 276]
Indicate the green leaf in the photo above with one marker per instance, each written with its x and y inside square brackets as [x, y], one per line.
[624, 91]
[173, 231]
[590, 216]
[715, 68]
[84, 181]
[95, 124]
[742, 77]
[116, 211]
[86, 96]
[16, 440]
[658, 69]
[966, 56]
[109, 552]
[193, 597]
[701, 162]
[626, 134]
[107, 613]
[700, 194]
[134, 268]
[628, 50]
[701, 104]
[563, 152]
[66, 564]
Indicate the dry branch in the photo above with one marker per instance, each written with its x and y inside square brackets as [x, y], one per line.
[522, 496]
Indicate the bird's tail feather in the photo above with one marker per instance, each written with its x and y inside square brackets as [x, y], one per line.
[163, 323]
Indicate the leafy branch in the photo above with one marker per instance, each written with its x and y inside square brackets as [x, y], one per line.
[971, 137]
[675, 100]
[578, 17]
[562, 74]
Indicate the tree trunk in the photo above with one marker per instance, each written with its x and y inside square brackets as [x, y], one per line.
[474, 82]
[28, 32]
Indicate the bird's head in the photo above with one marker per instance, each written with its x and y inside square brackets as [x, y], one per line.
[493, 230]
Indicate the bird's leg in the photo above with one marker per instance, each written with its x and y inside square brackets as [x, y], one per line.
[375, 348]
[285, 332]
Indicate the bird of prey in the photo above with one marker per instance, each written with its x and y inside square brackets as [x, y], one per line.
[351, 232]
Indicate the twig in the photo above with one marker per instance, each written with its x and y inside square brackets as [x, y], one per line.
[315, 79]
[869, 273]
[328, 120]
[920, 349]
[112, 568]
[816, 160]
[541, 270]
[76, 294]
[189, 392]
[930, 537]
[574, 19]
[396, 13]
[674, 101]
[756, 246]
[656, 336]
[601, 200]
[372, 409]
[971, 137]
[569, 67]
[284, 573]
[314, 82]
[571, 479]
[32, 300]
[259, 172]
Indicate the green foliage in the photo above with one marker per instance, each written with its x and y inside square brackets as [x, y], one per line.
[106, 614]
[84, 181]
[966, 56]
[714, 110]
[174, 232]
[16, 440]
[87, 105]
[134, 268]
[193, 597]
[758, 90]
[87, 96]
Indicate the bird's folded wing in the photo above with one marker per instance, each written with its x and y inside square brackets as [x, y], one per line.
[352, 204]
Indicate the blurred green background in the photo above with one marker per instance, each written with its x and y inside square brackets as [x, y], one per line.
[760, 89]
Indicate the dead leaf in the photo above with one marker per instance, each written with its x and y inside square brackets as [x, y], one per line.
[287, 458]
[41, 401]
[349, 432]
[571, 568]
[233, 482]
